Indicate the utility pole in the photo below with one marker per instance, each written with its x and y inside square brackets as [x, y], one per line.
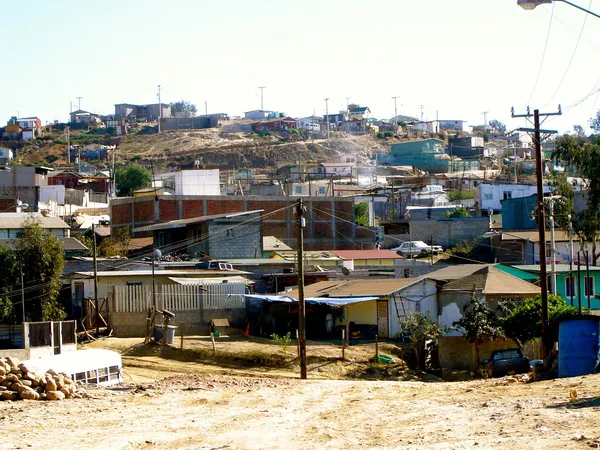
[347, 104]
[327, 117]
[205, 107]
[78, 103]
[22, 293]
[262, 106]
[395, 113]
[68, 145]
[96, 280]
[159, 109]
[300, 211]
[552, 246]
[539, 172]
[422, 107]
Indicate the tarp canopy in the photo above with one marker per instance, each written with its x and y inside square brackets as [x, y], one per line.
[329, 301]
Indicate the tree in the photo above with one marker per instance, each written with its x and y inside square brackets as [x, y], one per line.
[524, 322]
[595, 123]
[584, 157]
[421, 329]
[183, 108]
[479, 324]
[41, 256]
[579, 131]
[460, 212]
[131, 177]
[361, 214]
[7, 269]
[7, 311]
[498, 126]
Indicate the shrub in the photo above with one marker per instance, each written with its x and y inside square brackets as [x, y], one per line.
[381, 135]
[284, 341]
[388, 134]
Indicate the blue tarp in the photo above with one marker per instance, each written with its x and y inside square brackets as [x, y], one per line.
[329, 301]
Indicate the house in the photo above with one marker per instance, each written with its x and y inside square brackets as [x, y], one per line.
[22, 182]
[31, 126]
[454, 125]
[491, 195]
[191, 182]
[432, 126]
[379, 309]
[573, 285]
[456, 287]
[12, 131]
[194, 296]
[142, 113]
[259, 114]
[369, 259]
[334, 169]
[11, 225]
[426, 154]
[76, 180]
[120, 125]
[6, 156]
[233, 235]
[335, 119]
[311, 123]
[277, 124]
[466, 147]
[357, 112]
[81, 116]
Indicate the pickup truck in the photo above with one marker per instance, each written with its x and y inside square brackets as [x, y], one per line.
[506, 362]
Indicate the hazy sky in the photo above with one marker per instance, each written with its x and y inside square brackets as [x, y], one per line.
[458, 58]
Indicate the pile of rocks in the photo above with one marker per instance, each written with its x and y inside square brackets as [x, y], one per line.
[17, 381]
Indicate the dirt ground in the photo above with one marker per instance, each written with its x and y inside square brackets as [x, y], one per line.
[172, 399]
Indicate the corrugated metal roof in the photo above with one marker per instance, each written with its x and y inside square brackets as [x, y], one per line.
[271, 243]
[148, 273]
[491, 281]
[15, 221]
[357, 288]
[70, 244]
[560, 268]
[365, 254]
[182, 223]
[455, 272]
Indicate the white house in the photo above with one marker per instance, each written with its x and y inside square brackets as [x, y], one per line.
[310, 123]
[333, 169]
[492, 194]
[6, 155]
[459, 125]
[11, 225]
[433, 126]
[191, 182]
[260, 114]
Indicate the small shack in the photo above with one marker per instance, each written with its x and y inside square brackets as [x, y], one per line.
[219, 326]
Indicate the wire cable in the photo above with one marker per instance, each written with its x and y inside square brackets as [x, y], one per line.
[537, 78]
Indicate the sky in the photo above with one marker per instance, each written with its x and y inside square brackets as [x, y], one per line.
[450, 59]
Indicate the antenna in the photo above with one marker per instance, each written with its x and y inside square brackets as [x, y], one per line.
[79, 102]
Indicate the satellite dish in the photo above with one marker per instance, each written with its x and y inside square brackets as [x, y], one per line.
[157, 254]
[345, 271]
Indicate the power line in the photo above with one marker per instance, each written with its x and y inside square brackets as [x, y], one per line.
[572, 57]
[537, 78]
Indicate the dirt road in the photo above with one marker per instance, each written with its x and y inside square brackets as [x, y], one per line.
[230, 412]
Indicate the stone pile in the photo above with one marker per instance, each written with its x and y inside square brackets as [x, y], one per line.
[19, 382]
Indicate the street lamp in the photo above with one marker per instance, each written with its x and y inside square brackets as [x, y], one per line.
[532, 4]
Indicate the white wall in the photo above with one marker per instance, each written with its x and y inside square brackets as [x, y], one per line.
[491, 195]
[56, 193]
[420, 297]
[197, 182]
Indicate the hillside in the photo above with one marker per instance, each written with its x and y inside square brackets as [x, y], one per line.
[229, 150]
[172, 149]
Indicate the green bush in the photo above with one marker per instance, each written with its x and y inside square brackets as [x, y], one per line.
[381, 135]
[454, 196]
[388, 134]
[284, 341]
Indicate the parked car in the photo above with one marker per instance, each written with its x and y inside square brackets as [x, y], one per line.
[417, 248]
[506, 362]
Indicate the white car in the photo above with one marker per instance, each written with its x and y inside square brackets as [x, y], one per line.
[417, 248]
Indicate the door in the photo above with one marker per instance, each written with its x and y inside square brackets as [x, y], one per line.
[383, 323]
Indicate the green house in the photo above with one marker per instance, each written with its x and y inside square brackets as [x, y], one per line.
[576, 287]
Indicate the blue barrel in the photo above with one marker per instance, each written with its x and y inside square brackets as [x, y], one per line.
[578, 346]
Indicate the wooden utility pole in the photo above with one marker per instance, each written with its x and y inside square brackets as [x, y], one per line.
[300, 210]
[96, 280]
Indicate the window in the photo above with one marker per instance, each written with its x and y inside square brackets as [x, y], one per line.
[589, 286]
[570, 286]
[230, 232]
[488, 196]
[507, 195]
[298, 189]
[321, 190]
